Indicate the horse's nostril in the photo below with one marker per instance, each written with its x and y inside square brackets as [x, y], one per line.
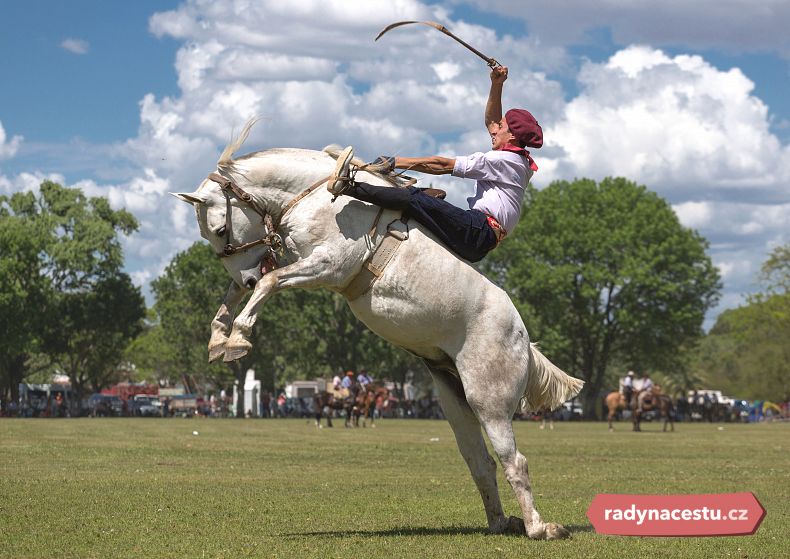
[250, 283]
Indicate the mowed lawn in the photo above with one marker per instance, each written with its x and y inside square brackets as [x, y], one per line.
[282, 488]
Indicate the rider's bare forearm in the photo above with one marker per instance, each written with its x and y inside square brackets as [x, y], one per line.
[434, 165]
[494, 104]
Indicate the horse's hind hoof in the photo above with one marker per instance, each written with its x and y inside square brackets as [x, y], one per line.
[515, 525]
[556, 531]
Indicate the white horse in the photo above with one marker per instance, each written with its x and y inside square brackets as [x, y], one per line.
[428, 301]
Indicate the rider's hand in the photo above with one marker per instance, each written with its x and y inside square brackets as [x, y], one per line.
[388, 160]
[499, 74]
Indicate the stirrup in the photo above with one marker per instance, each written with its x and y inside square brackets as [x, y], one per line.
[341, 180]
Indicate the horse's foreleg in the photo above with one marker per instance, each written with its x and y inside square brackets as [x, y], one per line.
[220, 326]
[303, 273]
[470, 442]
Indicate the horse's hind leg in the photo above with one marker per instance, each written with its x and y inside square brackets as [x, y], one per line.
[494, 395]
[470, 442]
[500, 433]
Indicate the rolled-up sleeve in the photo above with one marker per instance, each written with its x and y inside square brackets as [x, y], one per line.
[497, 169]
[470, 166]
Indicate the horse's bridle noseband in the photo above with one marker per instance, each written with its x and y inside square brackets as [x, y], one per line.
[228, 187]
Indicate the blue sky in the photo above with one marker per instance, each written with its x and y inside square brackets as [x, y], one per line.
[131, 100]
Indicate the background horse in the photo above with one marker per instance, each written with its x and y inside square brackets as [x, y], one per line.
[615, 402]
[426, 300]
[654, 400]
[372, 394]
[324, 404]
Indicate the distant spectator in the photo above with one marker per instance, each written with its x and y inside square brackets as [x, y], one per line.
[281, 404]
[266, 403]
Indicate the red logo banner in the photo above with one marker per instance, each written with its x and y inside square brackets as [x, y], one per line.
[716, 514]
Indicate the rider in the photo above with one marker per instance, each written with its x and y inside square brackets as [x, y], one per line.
[502, 175]
[348, 380]
[364, 378]
[647, 384]
[628, 386]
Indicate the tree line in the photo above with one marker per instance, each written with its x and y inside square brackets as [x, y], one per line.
[603, 273]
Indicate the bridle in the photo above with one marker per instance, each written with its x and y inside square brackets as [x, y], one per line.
[272, 239]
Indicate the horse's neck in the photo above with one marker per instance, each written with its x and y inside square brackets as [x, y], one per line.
[274, 182]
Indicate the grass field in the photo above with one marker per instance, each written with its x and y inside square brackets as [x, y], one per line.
[282, 488]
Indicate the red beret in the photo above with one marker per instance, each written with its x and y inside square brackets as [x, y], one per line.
[524, 127]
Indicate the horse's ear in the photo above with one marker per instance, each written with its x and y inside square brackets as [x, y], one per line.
[193, 198]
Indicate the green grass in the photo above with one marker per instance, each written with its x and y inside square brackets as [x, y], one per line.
[282, 488]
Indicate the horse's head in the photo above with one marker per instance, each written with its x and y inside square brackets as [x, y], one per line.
[272, 178]
[211, 209]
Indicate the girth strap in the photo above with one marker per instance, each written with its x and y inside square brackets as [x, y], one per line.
[374, 266]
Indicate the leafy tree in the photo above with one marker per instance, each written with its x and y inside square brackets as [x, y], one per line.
[57, 246]
[188, 295]
[746, 354]
[23, 287]
[93, 329]
[604, 273]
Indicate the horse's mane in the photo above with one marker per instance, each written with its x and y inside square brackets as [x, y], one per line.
[226, 161]
[226, 157]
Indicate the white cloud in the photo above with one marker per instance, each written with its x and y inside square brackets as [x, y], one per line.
[8, 148]
[694, 214]
[76, 46]
[724, 24]
[27, 182]
[675, 124]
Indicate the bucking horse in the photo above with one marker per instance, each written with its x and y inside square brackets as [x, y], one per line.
[271, 219]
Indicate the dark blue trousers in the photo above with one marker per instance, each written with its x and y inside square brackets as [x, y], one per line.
[465, 232]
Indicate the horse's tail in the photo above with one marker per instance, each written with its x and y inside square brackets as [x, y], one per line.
[547, 385]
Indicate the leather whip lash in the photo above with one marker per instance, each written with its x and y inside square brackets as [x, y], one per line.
[490, 61]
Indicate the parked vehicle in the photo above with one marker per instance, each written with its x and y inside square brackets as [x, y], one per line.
[145, 405]
[571, 411]
[102, 405]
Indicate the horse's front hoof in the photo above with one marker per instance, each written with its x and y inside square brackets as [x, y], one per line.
[556, 531]
[215, 352]
[236, 352]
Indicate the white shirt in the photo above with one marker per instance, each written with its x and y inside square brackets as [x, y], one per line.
[501, 179]
[628, 381]
[647, 384]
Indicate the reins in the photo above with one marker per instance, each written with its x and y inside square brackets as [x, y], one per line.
[373, 266]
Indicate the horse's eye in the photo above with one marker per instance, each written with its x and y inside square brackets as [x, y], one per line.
[221, 231]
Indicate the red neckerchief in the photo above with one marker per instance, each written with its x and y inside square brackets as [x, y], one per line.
[521, 151]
